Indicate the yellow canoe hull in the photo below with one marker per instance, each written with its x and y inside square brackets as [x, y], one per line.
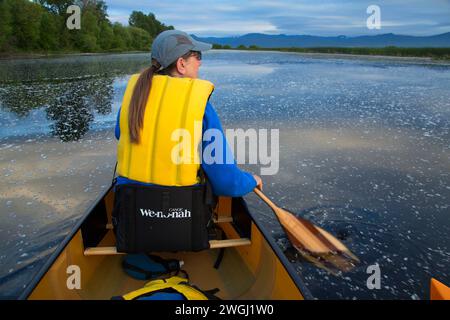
[439, 291]
[253, 267]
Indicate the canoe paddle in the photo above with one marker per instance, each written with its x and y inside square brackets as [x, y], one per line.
[313, 243]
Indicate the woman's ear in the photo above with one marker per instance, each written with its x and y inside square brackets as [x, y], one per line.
[181, 69]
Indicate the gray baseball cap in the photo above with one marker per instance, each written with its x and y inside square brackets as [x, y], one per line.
[169, 45]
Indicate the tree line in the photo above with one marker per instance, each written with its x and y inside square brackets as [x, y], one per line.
[40, 26]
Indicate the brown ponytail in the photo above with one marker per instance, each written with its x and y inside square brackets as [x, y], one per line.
[139, 101]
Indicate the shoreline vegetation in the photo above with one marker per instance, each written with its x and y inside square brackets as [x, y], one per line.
[433, 54]
[38, 30]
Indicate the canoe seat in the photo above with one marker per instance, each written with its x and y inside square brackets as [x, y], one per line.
[214, 244]
[109, 226]
[222, 217]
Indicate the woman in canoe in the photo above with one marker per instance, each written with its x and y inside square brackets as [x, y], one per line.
[163, 108]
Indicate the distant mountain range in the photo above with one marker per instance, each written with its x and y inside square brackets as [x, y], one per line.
[306, 41]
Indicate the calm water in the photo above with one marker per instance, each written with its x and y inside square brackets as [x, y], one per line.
[364, 153]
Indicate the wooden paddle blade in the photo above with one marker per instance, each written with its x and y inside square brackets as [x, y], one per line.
[312, 242]
[316, 245]
[334, 263]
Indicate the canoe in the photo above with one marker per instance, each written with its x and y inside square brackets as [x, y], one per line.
[438, 290]
[252, 266]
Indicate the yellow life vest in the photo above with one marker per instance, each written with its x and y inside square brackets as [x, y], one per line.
[173, 103]
[178, 284]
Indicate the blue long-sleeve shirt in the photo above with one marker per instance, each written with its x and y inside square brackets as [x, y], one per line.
[226, 178]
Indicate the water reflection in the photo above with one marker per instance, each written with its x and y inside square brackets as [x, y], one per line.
[385, 195]
[46, 186]
[70, 105]
[71, 91]
[239, 69]
[73, 111]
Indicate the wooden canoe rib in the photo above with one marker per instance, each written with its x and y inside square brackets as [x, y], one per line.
[253, 266]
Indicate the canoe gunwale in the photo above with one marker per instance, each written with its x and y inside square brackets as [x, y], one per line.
[296, 278]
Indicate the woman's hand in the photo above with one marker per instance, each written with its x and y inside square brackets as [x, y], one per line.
[259, 183]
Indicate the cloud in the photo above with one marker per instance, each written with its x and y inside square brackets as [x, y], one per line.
[118, 16]
[314, 17]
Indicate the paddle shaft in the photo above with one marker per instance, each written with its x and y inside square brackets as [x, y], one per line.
[265, 199]
[306, 227]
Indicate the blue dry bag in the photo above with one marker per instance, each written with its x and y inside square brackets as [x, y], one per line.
[143, 266]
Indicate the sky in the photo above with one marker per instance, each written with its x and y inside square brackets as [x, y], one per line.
[312, 17]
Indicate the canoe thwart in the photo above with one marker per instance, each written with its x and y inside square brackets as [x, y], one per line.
[214, 244]
[220, 219]
[101, 251]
